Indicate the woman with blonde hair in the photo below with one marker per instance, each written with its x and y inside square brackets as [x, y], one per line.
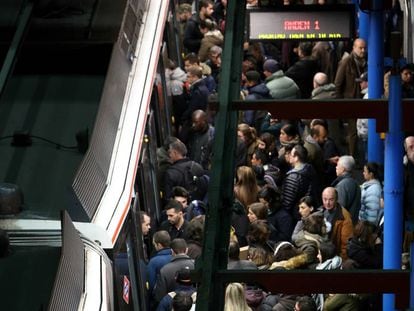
[235, 299]
[249, 136]
[245, 193]
[246, 188]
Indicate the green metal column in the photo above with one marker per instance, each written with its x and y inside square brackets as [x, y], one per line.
[210, 294]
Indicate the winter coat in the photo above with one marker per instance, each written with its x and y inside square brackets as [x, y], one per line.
[365, 256]
[345, 302]
[281, 225]
[174, 175]
[255, 117]
[308, 243]
[342, 229]
[349, 194]
[211, 38]
[166, 302]
[273, 128]
[349, 68]
[330, 150]
[241, 265]
[315, 154]
[371, 193]
[298, 183]
[282, 87]
[175, 81]
[195, 249]
[326, 91]
[159, 260]
[333, 263]
[198, 99]
[302, 73]
[200, 145]
[192, 34]
[166, 281]
[324, 54]
[172, 230]
[240, 222]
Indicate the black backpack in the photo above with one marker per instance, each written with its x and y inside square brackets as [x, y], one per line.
[195, 181]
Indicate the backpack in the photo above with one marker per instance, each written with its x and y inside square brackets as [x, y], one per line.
[195, 181]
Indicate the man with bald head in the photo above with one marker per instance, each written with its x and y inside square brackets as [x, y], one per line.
[349, 69]
[322, 89]
[340, 220]
[200, 141]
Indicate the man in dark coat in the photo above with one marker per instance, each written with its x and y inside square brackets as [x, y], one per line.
[198, 100]
[299, 182]
[322, 89]
[200, 142]
[349, 69]
[304, 69]
[166, 281]
[339, 218]
[175, 225]
[257, 90]
[175, 175]
[192, 33]
[349, 191]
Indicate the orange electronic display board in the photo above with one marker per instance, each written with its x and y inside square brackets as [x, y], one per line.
[307, 23]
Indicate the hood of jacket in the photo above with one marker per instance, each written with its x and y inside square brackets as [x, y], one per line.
[259, 89]
[369, 183]
[178, 74]
[327, 88]
[214, 33]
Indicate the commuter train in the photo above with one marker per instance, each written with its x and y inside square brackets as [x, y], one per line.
[116, 179]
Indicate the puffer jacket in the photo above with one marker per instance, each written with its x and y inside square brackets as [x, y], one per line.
[282, 87]
[298, 183]
[371, 192]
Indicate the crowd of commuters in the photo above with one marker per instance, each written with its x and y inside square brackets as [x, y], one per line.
[300, 198]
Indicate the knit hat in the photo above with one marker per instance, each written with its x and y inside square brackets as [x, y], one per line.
[271, 65]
